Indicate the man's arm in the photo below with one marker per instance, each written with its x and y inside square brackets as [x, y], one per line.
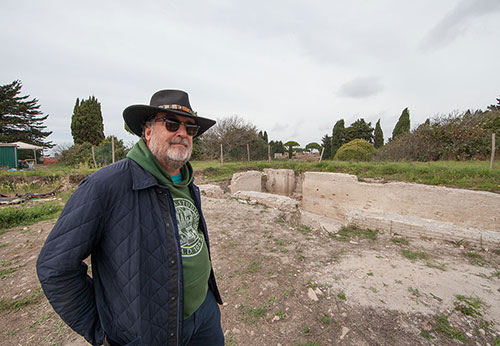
[60, 266]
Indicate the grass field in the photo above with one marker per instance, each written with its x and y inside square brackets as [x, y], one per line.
[474, 175]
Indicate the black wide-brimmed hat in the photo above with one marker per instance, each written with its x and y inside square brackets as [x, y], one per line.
[165, 101]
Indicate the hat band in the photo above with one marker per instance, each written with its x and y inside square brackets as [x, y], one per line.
[177, 107]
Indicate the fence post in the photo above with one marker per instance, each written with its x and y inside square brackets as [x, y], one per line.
[248, 152]
[492, 150]
[221, 155]
[321, 155]
[268, 153]
[113, 148]
[93, 157]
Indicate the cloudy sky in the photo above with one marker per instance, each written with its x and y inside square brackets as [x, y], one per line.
[292, 68]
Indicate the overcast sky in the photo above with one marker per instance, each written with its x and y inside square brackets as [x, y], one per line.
[292, 68]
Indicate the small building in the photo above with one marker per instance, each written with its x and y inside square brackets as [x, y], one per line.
[8, 155]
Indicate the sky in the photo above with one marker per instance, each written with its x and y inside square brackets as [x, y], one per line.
[292, 68]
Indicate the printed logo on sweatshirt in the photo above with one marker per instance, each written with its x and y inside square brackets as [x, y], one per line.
[188, 220]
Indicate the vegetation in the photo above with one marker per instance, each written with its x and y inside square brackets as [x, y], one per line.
[347, 233]
[21, 119]
[464, 136]
[290, 145]
[337, 136]
[82, 153]
[86, 122]
[355, 150]
[378, 140]
[403, 124]
[359, 129]
[10, 217]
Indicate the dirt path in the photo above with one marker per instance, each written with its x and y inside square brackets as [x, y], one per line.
[285, 284]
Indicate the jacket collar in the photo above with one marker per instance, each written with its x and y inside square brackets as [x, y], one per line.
[141, 179]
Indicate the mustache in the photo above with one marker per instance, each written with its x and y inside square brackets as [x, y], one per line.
[179, 140]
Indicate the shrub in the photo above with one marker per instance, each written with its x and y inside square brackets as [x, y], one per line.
[355, 150]
[458, 136]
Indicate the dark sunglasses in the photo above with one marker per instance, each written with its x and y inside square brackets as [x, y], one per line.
[173, 125]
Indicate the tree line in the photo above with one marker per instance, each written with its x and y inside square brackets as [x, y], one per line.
[458, 136]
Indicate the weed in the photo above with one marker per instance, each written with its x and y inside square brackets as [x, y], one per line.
[472, 254]
[41, 319]
[326, 319]
[403, 241]
[230, 340]
[369, 274]
[435, 265]
[341, 296]
[251, 315]
[442, 325]
[496, 274]
[10, 217]
[477, 263]
[304, 229]
[4, 245]
[413, 255]
[279, 220]
[289, 292]
[398, 282]
[16, 304]
[306, 329]
[414, 291]
[345, 233]
[272, 299]
[373, 289]
[278, 242]
[469, 306]
[280, 314]
[253, 267]
[426, 334]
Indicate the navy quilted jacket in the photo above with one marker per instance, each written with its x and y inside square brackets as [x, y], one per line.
[126, 221]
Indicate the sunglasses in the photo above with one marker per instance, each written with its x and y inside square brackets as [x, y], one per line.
[173, 125]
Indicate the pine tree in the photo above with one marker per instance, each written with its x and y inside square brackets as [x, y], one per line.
[20, 118]
[337, 137]
[359, 129]
[403, 124]
[86, 122]
[379, 135]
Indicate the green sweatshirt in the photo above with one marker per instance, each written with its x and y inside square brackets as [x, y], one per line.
[195, 260]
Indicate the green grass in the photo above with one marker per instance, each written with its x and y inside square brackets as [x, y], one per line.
[403, 241]
[413, 255]
[251, 315]
[468, 305]
[10, 217]
[16, 304]
[341, 296]
[475, 175]
[346, 233]
[442, 325]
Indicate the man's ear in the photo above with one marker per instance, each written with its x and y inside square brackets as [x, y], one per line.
[147, 133]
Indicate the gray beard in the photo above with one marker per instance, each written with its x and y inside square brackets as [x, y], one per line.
[170, 158]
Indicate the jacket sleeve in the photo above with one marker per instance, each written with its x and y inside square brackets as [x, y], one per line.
[60, 266]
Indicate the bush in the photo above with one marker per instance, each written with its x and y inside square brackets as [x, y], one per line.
[13, 216]
[355, 150]
[82, 153]
[464, 136]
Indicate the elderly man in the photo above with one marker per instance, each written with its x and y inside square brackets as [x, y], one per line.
[140, 220]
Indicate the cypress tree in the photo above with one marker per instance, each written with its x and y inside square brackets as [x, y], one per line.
[379, 135]
[86, 122]
[403, 124]
[337, 137]
[326, 142]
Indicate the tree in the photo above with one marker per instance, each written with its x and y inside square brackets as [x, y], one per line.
[359, 130]
[379, 135]
[234, 133]
[86, 122]
[327, 144]
[495, 107]
[277, 147]
[263, 135]
[290, 145]
[337, 137]
[314, 145]
[20, 118]
[403, 124]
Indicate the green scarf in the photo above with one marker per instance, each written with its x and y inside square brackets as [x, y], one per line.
[140, 153]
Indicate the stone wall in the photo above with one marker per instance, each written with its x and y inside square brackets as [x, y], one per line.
[404, 208]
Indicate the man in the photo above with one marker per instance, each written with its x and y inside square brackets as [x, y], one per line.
[141, 221]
